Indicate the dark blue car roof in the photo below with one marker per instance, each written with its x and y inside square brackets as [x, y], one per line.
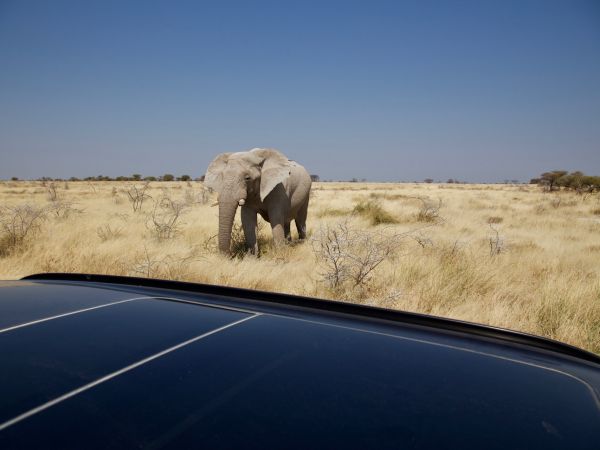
[108, 362]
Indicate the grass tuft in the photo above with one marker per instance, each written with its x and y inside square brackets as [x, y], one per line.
[374, 212]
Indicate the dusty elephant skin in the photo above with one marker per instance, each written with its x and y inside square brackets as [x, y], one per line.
[262, 181]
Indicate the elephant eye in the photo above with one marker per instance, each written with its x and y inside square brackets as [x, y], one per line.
[247, 177]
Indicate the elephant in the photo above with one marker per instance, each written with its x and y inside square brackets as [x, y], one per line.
[262, 181]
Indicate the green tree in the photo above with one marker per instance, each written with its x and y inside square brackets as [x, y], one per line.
[136, 177]
[167, 177]
[550, 179]
[185, 178]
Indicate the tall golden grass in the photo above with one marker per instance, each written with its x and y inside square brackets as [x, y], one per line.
[505, 255]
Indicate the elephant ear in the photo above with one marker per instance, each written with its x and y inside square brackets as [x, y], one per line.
[214, 174]
[275, 170]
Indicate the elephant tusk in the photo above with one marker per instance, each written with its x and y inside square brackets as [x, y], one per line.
[242, 202]
[214, 204]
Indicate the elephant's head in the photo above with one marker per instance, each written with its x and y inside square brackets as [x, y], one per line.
[243, 177]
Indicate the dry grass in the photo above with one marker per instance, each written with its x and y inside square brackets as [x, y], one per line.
[509, 256]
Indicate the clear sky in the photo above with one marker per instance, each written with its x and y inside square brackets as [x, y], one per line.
[479, 90]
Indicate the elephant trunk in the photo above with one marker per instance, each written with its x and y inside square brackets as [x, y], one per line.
[227, 211]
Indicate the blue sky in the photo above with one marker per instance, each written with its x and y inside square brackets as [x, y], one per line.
[399, 90]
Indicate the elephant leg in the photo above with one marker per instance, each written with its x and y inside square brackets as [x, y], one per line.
[249, 226]
[301, 220]
[286, 229]
[277, 226]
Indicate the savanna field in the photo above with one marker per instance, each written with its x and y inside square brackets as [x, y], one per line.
[511, 256]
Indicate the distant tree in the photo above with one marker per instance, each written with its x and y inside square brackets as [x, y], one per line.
[201, 178]
[573, 180]
[122, 178]
[136, 177]
[353, 180]
[167, 177]
[450, 181]
[428, 180]
[184, 178]
[577, 181]
[590, 183]
[74, 179]
[315, 178]
[15, 178]
[150, 178]
[550, 179]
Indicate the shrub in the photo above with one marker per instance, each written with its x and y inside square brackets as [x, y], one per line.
[374, 212]
[429, 211]
[137, 195]
[193, 197]
[52, 192]
[346, 255]
[164, 221]
[106, 232]
[496, 242]
[17, 224]
[62, 209]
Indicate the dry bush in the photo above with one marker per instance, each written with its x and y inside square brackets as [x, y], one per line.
[430, 210]
[189, 197]
[347, 255]
[106, 232]
[62, 209]
[137, 195]
[496, 242]
[17, 224]
[52, 192]
[164, 221]
[192, 197]
[156, 265]
[374, 212]
[422, 239]
[204, 195]
[495, 219]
